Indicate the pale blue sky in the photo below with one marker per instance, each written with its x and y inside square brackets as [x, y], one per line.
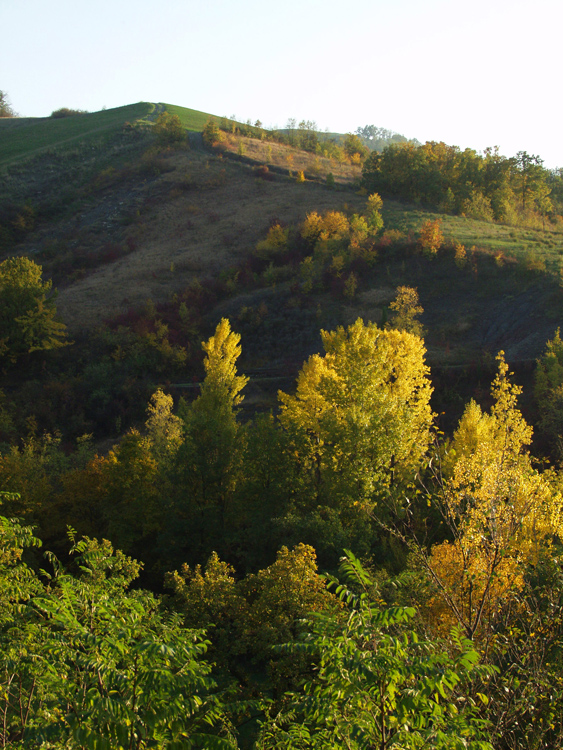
[473, 74]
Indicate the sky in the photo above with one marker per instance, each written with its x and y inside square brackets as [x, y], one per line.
[479, 74]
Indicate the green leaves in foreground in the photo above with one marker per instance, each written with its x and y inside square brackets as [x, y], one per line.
[377, 685]
[87, 664]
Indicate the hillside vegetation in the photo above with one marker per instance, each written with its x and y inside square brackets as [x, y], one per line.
[270, 375]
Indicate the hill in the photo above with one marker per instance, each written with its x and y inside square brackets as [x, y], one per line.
[22, 137]
[156, 237]
[119, 221]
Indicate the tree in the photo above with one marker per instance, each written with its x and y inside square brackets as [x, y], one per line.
[212, 135]
[208, 461]
[27, 311]
[361, 416]
[164, 430]
[98, 666]
[354, 148]
[431, 237]
[377, 684]
[373, 213]
[548, 390]
[499, 513]
[531, 181]
[5, 107]
[168, 129]
[247, 617]
[406, 308]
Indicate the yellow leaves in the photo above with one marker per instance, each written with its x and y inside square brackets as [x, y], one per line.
[374, 203]
[163, 428]
[288, 589]
[460, 255]
[222, 350]
[275, 242]
[307, 408]
[263, 607]
[431, 238]
[207, 595]
[406, 308]
[312, 227]
[364, 406]
[471, 581]
[500, 511]
[332, 226]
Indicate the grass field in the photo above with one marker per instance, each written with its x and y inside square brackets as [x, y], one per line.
[517, 242]
[24, 137]
[191, 119]
[21, 137]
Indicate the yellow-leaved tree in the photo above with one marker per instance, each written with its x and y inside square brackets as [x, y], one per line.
[499, 511]
[360, 419]
[209, 460]
[406, 309]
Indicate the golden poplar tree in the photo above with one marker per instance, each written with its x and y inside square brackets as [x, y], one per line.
[361, 416]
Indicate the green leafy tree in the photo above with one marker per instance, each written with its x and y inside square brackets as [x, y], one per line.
[208, 465]
[377, 684]
[212, 135]
[21, 671]
[531, 181]
[89, 664]
[354, 148]
[27, 311]
[168, 129]
[548, 390]
[373, 213]
[248, 616]
[5, 107]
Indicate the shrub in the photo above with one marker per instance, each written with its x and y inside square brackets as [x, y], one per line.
[211, 133]
[57, 114]
[168, 129]
[431, 238]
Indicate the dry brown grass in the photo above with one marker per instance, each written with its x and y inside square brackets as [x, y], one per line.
[204, 215]
[292, 159]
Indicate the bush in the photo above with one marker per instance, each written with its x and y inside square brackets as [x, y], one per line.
[431, 238]
[57, 114]
[211, 133]
[168, 129]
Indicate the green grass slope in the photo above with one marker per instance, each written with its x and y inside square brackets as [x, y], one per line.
[24, 137]
[191, 119]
